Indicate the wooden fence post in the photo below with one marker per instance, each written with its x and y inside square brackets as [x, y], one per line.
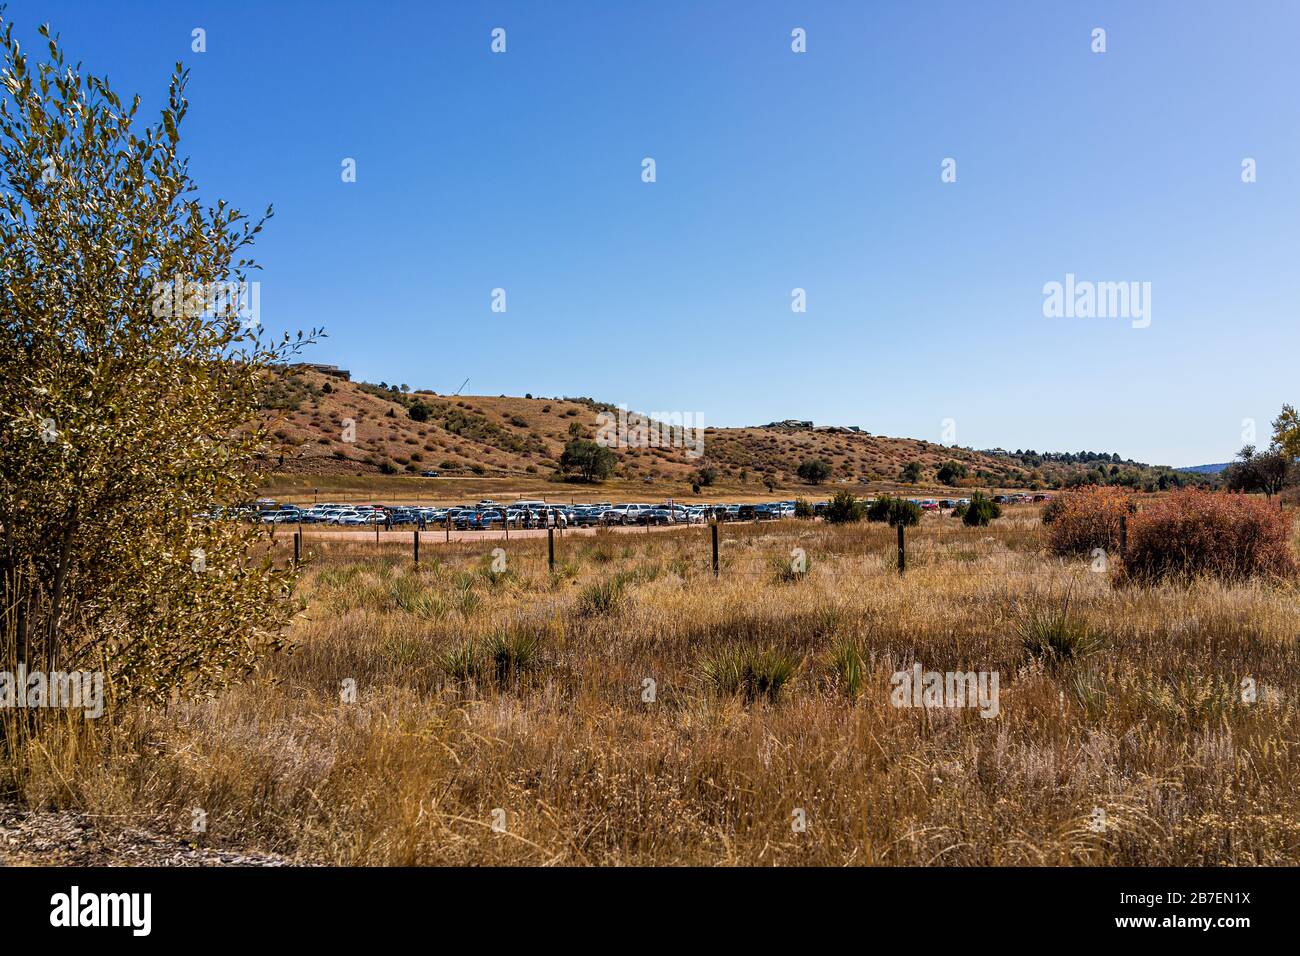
[416, 532]
[902, 548]
[714, 527]
[550, 549]
[297, 548]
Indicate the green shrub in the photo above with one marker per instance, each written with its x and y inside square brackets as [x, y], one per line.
[814, 471]
[844, 507]
[981, 510]
[894, 510]
[950, 472]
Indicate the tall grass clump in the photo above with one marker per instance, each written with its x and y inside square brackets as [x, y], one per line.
[791, 569]
[512, 653]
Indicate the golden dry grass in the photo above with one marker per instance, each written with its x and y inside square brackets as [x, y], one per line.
[1146, 723]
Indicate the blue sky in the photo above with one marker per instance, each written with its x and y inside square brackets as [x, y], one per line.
[775, 170]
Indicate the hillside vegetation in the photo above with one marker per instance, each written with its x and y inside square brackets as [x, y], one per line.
[408, 432]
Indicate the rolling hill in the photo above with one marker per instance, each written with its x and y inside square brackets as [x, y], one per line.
[395, 432]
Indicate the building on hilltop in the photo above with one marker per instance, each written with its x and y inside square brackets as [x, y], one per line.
[333, 370]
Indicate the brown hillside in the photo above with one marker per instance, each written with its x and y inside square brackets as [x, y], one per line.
[509, 436]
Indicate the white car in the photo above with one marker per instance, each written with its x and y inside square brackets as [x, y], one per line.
[632, 512]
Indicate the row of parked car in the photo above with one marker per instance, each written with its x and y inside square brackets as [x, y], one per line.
[521, 514]
[489, 514]
[947, 504]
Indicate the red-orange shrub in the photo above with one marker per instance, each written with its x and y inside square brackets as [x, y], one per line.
[1201, 532]
[1079, 521]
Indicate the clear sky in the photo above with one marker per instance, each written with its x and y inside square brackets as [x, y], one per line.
[775, 170]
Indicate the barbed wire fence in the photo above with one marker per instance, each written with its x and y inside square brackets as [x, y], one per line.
[723, 550]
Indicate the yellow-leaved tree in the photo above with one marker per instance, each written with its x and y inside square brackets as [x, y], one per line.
[128, 395]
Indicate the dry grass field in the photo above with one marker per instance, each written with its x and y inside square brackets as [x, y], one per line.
[501, 718]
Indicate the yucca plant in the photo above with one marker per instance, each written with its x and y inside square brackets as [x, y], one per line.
[846, 661]
[748, 672]
[789, 570]
[461, 661]
[512, 653]
[500, 657]
[603, 597]
[1053, 634]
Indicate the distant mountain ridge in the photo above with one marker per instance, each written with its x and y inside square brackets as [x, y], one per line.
[1205, 469]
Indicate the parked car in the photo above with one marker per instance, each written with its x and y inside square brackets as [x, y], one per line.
[484, 520]
[628, 513]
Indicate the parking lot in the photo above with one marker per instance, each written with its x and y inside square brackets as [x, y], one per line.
[524, 516]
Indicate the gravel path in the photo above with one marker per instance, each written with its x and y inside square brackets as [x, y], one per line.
[70, 838]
